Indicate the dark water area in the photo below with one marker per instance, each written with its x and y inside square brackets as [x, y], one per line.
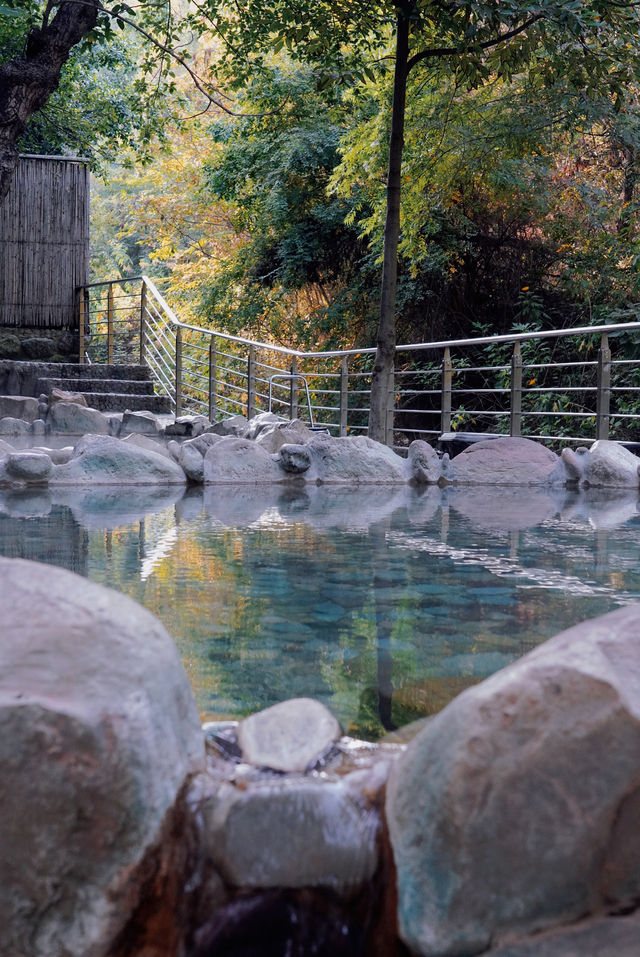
[382, 603]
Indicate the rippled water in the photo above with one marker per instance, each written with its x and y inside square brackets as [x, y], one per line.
[382, 603]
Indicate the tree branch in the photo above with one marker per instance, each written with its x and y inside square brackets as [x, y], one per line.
[486, 45]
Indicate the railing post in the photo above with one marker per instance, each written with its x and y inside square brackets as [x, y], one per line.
[110, 312]
[178, 372]
[344, 396]
[515, 419]
[213, 378]
[143, 325]
[447, 378]
[604, 388]
[390, 412]
[293, 392]
[81, 323]
[251, 382]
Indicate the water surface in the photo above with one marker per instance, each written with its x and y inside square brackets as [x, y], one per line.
[382, 603]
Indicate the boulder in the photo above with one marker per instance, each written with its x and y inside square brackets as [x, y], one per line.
[289, 736]
[264, 421]
[18, 407]
[57, 456]
[424, 466]
[188, 425]
[507, 461]
[62, 395]
[74, 419]
[516, 809]
[11, 426]
[38, 347]
[190, 455]
[102, 460]
[142, 422]
[294, 459]
[353, 461]
[273, 437]
[99, 739]
[10, 346]
[241, 462]
[605, 465]
[29, 466]
[192, 463]
[236, 425]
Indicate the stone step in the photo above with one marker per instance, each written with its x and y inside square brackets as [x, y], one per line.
[75, 370]
[119, 402]
[137, 386]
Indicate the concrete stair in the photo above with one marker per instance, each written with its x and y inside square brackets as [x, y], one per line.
[109, 388]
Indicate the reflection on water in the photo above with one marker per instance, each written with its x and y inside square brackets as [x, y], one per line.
[383, 603]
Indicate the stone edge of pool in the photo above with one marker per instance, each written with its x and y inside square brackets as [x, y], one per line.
[507, 826]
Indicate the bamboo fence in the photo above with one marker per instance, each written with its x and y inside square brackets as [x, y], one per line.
[44, 243]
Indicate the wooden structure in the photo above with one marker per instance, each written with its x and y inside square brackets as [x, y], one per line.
[44, 243]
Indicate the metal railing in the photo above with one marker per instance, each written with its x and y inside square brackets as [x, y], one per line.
[559, 385]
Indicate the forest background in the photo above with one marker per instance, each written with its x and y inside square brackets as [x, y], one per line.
[257, 199]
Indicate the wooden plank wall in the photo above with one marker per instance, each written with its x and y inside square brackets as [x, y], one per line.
[44, 243]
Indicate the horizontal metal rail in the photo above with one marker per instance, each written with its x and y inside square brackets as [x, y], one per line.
[506, 377]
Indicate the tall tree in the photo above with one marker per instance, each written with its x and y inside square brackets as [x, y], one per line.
[594, 43]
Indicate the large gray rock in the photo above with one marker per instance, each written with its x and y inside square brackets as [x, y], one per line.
[18, 407]
[605, 465]
[190, 455]
[236, 425]
[516, 809]
[288, 736]
[11, 426]
[145, 423]
[29, 466]
[99, 736]
[69, 417]
[241, 462]
[352, 461]
[507, 461]
[102, 460]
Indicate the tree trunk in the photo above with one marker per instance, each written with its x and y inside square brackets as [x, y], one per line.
[630, 177]
[386, 340]
[26, 84]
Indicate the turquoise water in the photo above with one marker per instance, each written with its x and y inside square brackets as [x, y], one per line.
[382, 603]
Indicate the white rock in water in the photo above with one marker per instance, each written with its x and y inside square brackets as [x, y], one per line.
[240, 461]
[288, 736]
[102, 460]
[506, 461]
[29, 466]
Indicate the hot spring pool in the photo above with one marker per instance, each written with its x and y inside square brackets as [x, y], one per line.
[382, 603]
